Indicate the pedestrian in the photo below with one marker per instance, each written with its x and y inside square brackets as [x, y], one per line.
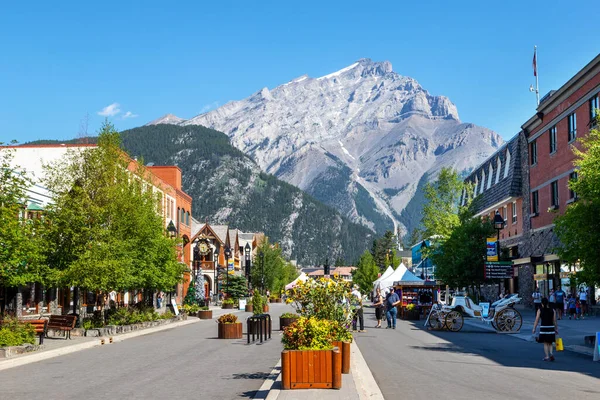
[391, 302]
[378, 303]
[159, 299]
[572, 307]
[583, 301]
[552, 300]
[537, 299]
[559, 297]
[546, 317]
[358, 310]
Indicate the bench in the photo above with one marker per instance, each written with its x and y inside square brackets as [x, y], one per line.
[39, 325]
[64, 323]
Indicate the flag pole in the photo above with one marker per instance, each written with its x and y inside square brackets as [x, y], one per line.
[537, 82]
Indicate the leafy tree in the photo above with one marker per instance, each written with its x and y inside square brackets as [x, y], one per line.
[578, 227]
[106, 232]
[20, 258]
[441, 212]
[236, 286]
[366, 272]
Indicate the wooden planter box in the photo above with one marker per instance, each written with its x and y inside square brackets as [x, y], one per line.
[227, 306]
[205, 314]
[283, 322]
[230, 331]
[265, 308]
[311, 369]
[274, 300]
[411, 315]
[345, 350]
[249, 308]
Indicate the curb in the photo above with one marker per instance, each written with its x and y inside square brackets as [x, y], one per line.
[364, 381]
[44, 355]
[266, 391]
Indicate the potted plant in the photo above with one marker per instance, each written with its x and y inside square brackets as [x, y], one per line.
[411, 313]
[275, 299]
[229, 327]
[190, 309]
[342, 338]
[309, 340]
[204, 313]
[227, 304]
[286, 319]
[265, 307]
[250, 305]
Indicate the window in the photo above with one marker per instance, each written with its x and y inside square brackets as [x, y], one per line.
[593, 107]
[514, 212]
[535, 207]
[552, 134]
[554, 195]
[507, 163]
[475, 190]
[572, 127]
[498, 168]
[187, 218]
[572, 177]
[491, 176]
[533, 152]
[482, 181]
[504, 213]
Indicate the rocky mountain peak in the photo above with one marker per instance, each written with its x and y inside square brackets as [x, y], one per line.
[167, 119]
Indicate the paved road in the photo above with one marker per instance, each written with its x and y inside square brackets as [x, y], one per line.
[413, 363]
[183, 363]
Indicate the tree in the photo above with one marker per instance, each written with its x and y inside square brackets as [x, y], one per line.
[20, 259]
[577, 229]
[236, 286]
[441, 212]
[366, 272]
[459, 260]
[383, 248]
[268, 267]
[106, 231]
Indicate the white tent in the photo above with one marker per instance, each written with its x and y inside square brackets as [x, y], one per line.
[302, 278]
[400, 274]
[389, 271]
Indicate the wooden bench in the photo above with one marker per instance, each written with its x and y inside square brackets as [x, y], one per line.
[64, 323]
[39, 325]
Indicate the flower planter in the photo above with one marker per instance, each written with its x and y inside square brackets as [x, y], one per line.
[277, 301]
[265, 308]
[311, 369]
[230, 331]
[345, 350]
[283, 322]
[205, 314]
[413, 315]
[249, 308]
[227, 306]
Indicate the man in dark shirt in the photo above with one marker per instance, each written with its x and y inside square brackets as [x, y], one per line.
[559, 296]
[391, 302]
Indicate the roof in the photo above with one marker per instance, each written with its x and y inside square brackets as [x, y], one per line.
[221, 231]
[232, 236]
[246, 236]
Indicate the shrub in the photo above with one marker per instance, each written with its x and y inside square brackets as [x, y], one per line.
[204, 308]
[167, 315]
[190, 308]
[289, 315]
[308, 334]
[340, 332]
[258, 302]
[410, 307]
[227, 319]
[228, 301]
[15, 333]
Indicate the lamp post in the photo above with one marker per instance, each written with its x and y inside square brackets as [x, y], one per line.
[498, 226]
[171, 230]
[215, 267]
[247, 251]
[262, 271]
[424, 260]
[227, 255]
[326, 268]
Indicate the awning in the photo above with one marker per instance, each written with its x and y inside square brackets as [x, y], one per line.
[34, 207]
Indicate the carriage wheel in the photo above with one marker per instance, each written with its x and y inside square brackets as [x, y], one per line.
[454, 321]
[436, 321]
[508, 320]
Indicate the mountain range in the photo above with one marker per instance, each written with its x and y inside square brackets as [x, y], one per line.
[363, 140]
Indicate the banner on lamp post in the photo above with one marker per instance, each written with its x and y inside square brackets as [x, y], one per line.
[492, 249]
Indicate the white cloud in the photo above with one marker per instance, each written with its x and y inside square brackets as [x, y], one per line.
[129, 114]
[110, 111]
[208, 107]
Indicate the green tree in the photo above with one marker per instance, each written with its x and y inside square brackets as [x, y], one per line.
[267, 267]
[366, 272]
[236, 286]
[383, 250]
[106, 231]
[20, 259]
[441, 212]
[577, 229]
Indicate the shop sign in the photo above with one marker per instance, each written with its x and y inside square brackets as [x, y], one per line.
[540, 277]
[565, 275]
[499, 270]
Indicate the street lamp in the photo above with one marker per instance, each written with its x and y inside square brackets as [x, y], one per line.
[247, 250]
[227, 255]
[424, 260]
[326, 268]
[215, 267]
[261, 254]
[172, 230]
[498, 226]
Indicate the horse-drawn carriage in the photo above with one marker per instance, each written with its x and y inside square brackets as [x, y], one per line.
[502, 315]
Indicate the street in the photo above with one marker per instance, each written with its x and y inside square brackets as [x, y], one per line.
[413, 363]
[186, 362]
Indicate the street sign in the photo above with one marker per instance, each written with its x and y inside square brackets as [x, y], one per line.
[499, 270]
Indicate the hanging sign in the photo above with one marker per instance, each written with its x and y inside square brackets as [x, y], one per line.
[492, 249]
[499, 270]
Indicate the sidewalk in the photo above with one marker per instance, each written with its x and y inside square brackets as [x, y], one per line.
[571, 331]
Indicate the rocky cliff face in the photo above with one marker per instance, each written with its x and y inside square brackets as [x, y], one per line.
[363, 139]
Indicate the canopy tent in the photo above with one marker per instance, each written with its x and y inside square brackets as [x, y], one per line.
[401, 274]
[389, 271]
[302, 278]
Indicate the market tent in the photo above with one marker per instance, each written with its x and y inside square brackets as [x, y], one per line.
[302, 278]
[401, 274]
[389, 271]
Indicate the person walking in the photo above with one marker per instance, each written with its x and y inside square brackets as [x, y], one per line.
[552, 300]
[559, 297]
[537, 299]
[583, 301]
[378, 303]
[546, 317]
[572, 307]
[391, 302]
[358, 310]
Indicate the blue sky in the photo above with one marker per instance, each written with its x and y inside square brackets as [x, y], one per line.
[62, 60]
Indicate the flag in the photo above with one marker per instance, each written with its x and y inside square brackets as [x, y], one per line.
[534, 62]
